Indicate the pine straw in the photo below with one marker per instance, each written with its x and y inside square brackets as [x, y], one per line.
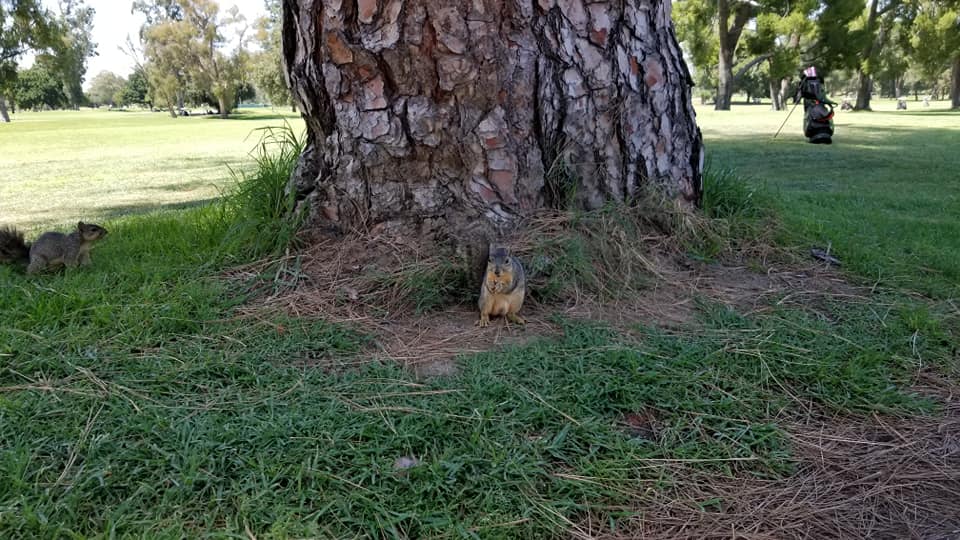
[630, 272]
[875, 478]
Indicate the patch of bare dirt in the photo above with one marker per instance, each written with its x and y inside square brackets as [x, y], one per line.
[367, 282]
[877, 478]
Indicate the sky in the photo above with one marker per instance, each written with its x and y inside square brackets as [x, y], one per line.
[113, 22]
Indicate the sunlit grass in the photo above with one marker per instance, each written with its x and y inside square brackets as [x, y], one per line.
[885, 195]
[62, 166]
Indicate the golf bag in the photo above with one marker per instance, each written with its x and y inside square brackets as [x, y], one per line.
[817, 109]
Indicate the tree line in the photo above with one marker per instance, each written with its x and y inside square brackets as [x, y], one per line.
[194, 52]
[60, 41]
[188, 52]
[899, 47]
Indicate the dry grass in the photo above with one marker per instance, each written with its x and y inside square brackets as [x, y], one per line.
[623, 268]
[858, 478]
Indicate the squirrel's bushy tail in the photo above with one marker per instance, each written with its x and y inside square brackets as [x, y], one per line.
[12, 246]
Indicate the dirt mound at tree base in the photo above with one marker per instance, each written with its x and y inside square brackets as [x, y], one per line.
[420, 307]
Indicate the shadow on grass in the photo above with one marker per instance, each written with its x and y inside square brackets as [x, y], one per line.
[113, 212]
[251, 116]
[953, 112]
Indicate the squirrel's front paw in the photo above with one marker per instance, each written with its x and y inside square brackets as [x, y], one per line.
[483, 322]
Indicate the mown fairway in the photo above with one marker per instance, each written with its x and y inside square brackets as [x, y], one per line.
[58, 167]
[886, 194]
[136, 401]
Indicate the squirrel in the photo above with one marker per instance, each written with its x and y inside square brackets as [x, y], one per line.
[503, 289]
[51, 249]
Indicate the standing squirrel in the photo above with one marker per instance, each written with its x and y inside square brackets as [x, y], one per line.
[51, 249]
[503, 287]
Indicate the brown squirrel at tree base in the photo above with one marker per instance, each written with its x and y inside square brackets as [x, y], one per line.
[51, 249]
[503, 289]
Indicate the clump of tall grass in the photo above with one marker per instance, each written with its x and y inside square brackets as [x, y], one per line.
[257, 213]
[727, 195]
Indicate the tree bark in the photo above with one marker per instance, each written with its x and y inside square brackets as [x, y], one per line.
[455, 119]
[728, 38]
[864, 91]
[774, 90]
[955, 83]
[865, 84]
[3, 110]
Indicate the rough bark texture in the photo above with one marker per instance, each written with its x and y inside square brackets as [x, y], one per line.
[449, 118]
[774, 90]
[864, 80]
[3, 111]
[729, 35]
[864, 91]
[955, 83]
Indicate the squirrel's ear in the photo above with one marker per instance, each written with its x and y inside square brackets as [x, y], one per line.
[80, 225]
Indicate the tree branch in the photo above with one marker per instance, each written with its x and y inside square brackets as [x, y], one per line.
[11, 54]
[750, 64]
[887, 8]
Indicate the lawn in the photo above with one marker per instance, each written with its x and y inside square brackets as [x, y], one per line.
[136, 400]
[60, 167]
[885, 195]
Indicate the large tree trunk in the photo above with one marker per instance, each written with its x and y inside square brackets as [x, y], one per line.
[3, 110]
[865, 81]
[725, 80]
[728, 33]
[864, 91]
[774, 89]
[955, 83]
[449, 119]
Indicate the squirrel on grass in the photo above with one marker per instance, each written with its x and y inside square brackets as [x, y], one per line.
[52, 249]
[503, 287]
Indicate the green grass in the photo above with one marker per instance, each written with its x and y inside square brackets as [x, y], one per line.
[60, 167]
[885, 195]
[135, 402]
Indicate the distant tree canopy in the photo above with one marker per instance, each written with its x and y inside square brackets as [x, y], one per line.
[136, 89]
[28, 27]
[187, 50]
[266, 64]
[894, 42]
[106, 88]
[39, 87]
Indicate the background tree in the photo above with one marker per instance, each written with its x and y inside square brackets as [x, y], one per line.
[74, 47]
[451, 121]
[872, 32]
[168, 46]
[788, 36]
[839, 41]
[695, 22]
[184, 47]
[778, 40]
[211, 68]
[892, 62]
[741, 34]
[266, 65]
[39, 87]
[732, 17]
[25, 26]
[104, 87]
[136, 89]
[935, 43]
